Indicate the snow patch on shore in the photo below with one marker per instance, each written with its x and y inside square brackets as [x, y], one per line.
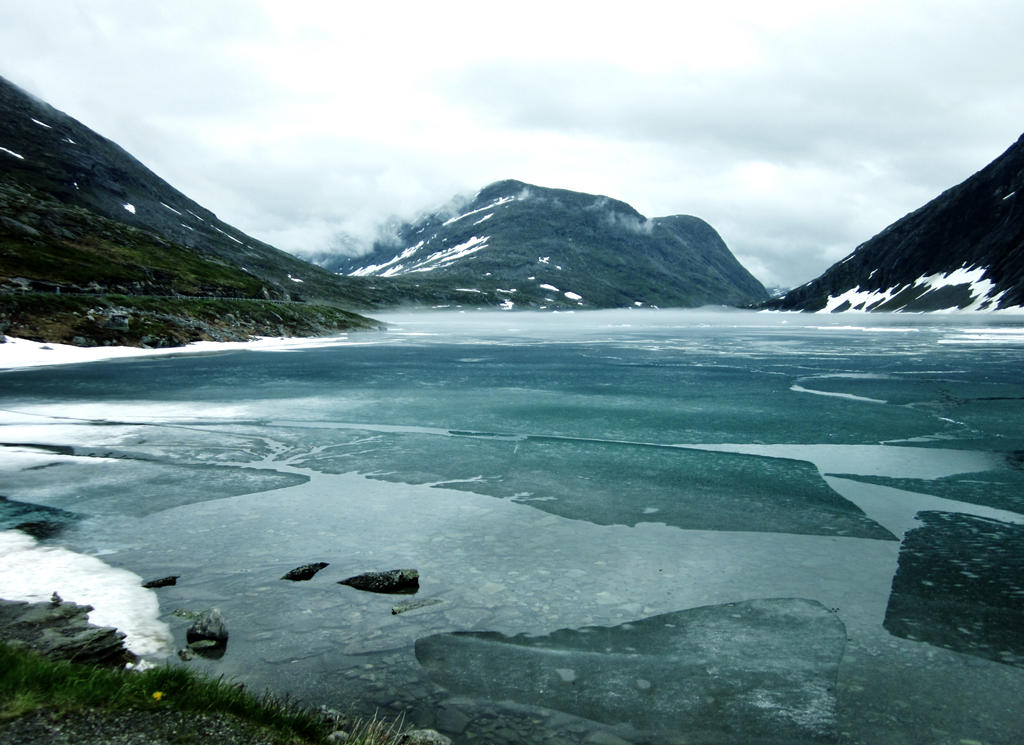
[32, 572]
[17, 353]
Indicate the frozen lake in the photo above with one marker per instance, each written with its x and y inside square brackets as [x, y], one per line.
[662, 527]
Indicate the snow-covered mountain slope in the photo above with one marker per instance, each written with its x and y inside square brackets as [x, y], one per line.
[552, 248]
[963, 250]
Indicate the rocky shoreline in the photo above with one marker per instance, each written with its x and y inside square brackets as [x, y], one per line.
[61, 630]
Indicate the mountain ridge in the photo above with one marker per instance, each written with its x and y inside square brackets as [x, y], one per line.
[964, 249]
[95, 248]
[553, 248]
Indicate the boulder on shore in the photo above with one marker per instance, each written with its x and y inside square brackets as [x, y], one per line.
[395, 581]
[61, 630]
[424, 737]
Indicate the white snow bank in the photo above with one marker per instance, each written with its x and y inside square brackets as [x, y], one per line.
[390, 267]
[450, 255]
[129, 207]
[31, 572]
[496, 203]
[228, 235]
[21, 353]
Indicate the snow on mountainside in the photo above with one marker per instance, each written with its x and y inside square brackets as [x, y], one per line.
[963, 250]
[553, 248]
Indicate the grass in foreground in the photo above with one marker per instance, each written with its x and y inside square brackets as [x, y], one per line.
[30, 682]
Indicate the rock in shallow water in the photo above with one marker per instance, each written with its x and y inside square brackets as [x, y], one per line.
[395, 581]
[168, 581]
[756, 671]
[208, 634]
[304, 572]
[414, 605]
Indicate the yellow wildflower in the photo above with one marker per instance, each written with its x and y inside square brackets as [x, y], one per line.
[157, 695]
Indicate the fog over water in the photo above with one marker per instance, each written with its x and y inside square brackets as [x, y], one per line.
[699, 526]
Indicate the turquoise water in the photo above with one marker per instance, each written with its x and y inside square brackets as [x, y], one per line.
[657, 526]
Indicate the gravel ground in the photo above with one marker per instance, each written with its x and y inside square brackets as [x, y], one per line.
[159, 727]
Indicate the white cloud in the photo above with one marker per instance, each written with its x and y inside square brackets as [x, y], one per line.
[797, 129]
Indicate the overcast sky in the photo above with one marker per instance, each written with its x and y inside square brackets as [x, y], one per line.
[797, 129]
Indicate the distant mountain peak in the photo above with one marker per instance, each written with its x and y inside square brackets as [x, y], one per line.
[548, 248]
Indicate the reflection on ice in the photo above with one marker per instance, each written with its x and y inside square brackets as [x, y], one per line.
[757, 671]
[872, 460]
[960, 585]
[606, 482]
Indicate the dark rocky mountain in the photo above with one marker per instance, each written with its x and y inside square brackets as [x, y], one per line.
[535, 247]
[964, 249]
[96, 248]
[86, 230]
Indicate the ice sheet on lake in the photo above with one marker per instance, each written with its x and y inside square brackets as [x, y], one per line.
[612, 483]
[960, 585]
[609, 410]
[1001, 489]
[127, 485]
[755, 671]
